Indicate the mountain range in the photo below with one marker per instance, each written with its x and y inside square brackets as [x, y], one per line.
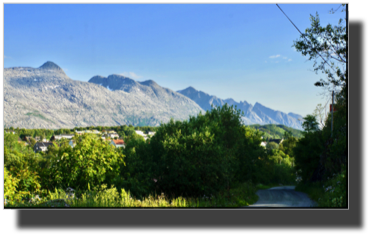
[253, 114]
[46, 97]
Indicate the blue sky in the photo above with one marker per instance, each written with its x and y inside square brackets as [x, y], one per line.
[240, 51]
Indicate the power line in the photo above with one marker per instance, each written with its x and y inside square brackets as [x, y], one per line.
[303, 35]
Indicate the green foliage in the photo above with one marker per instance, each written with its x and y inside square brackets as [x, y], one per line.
[288, 145]
[310, 124]
[10, 186]
[198, 157]
[92, 161]
[321, 156]
[272, 146]
[11, 141]
[272, 131]
[331, 43]
[21, 168]
[242, 195]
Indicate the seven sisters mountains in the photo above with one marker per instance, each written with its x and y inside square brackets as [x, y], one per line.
[46, 97]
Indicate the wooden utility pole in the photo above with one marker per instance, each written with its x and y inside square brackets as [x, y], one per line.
[332, 113]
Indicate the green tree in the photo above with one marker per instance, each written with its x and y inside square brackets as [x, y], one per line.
[11, 141]
[310, 124]
[92, 161]
[272, 146]
[200, 156]
[287, 135]
[329, 42]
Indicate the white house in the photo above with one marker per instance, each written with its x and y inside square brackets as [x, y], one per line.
[263, 144]
[141, 134]
[88, 131]
[42, 146]
[113, 135]
[63, 136]
[117, 143]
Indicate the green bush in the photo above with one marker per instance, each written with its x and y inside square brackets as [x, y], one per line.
[91, 162]
[10, 186]
[21, 167]
[198, 157]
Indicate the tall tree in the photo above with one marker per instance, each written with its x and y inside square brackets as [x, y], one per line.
[310, 124]
[327, 46]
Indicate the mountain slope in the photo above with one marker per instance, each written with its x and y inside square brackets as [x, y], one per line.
[257, 114]
[45, 97]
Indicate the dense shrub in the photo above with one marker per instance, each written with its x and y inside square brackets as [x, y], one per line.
[22, 167]
[137, 173]
[91, 162]
[200, 156]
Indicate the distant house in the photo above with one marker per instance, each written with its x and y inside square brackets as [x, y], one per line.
[37, 138]
[88, 131]
[142, 134]
[152, 133]
[263, 144]
[62, 136]
[42, 146]
[117, 143]
[113, 135]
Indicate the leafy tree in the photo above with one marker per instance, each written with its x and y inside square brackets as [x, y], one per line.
[287, 135]
[200, 156]
[310, 124]
[288, 145]
[91, 162]
[21, 166]
[10, 187]
[11, 141]
[272, 146]
[330, 42]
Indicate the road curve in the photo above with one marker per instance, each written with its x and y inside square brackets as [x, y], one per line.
[283, 196]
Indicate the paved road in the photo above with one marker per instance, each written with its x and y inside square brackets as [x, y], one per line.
[283, 196]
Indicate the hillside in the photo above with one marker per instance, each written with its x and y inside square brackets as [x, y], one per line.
[276, 131]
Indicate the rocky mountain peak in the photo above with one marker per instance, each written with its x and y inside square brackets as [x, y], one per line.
[50, 66]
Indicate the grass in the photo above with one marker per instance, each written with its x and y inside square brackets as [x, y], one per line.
[243, 195]
[313, 190]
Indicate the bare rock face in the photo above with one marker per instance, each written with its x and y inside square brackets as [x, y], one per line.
[45, 97]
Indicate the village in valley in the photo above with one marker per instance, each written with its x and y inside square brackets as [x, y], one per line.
[41, 144]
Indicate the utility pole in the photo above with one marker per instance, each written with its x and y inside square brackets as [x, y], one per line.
[332, 114]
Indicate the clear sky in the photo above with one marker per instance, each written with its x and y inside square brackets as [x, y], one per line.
[239, 51]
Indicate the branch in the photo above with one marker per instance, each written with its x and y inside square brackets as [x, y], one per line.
[342, 60]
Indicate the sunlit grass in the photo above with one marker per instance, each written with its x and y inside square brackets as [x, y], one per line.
[243, 195]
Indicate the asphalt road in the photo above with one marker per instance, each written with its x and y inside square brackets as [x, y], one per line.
[283, 196]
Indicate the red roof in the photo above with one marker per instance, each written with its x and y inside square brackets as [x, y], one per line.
[118, 141]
